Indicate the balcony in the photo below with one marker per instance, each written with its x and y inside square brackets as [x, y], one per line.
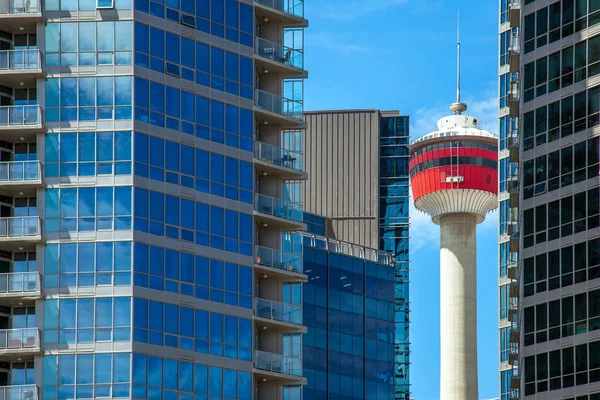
[17, 342]
[514, 7]
[285, 318]
[514, 54]
[20, 67]
[20, 122]
[277, 213]
[515, 381]
[513, 356]
[17, 232]
[513, 312]
[513, 190]
[277, 110]
[287, 266]
[514, 99]
[280, 59]
[515, 334]
[278, 367]
[18, 177]
[16, 287]
[289, 12]
[16, 14]
[19, 392]
[513, 273]
[513, 146]
[513, 232]
[514, 289]
[284, 163]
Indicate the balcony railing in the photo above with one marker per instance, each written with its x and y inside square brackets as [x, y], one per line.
[514, 45]
[278, 156]
[278, 363]
[20, 7]
[279, 208]
[20, 115]
[513, 94]
[18, 60]
[19, 282]
[278, 105]
[279, 53]
[19, 339]
[20, 171]
[278, 259]
[19, 392]
[19, 227]
[292, 7]
[279, 311]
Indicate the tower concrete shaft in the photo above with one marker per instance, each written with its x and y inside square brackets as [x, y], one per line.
[458, 307]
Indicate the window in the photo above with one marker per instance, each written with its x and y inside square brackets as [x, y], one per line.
[105, 3]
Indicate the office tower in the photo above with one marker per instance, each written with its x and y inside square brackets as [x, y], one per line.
[357, 162]
[454, 180]
[143, 179]
[348, 301]
[554, 200]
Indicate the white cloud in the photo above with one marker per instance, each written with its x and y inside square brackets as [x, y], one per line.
[350, 10]
[423, 232]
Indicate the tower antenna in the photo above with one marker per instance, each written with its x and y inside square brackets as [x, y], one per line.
[458, 107]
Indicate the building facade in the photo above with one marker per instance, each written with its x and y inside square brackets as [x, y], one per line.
[357, 162]
[554, 347]
[148, 217]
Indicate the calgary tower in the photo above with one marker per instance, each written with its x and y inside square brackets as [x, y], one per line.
[454, 178]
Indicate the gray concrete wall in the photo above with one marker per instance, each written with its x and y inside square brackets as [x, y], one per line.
[342, 161]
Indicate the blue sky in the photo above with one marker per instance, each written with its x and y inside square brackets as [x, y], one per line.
[401, 55]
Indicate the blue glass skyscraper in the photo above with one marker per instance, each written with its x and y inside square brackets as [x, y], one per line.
[149, 156]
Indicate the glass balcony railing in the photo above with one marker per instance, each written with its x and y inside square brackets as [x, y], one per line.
[278, 156]
[18, 60]
[279, 311]
[20, 171]
[19, 339]
[279, 53]
[278, 363]
[278, 259]
[19, 392]
[513, 93]
[15, 116]
[20, 7]
[11, 227]
[292, 7]
[279, 208]
[19, 282]
[278, 105]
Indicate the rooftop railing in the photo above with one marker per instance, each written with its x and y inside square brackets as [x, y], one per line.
[16, 116]
[292, 7]
[278, 208]
[278, 156]
[19, 282]
[19, 392]
[20, 7]
[278, 259]
[353, 250]
[18, 60]
[289, 313]
[279, 53]
[19, 339]
[11, 227]
[278, 363]
[20, 171]
[278, 105]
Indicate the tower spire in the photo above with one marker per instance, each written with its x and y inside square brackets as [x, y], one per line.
[458, 107]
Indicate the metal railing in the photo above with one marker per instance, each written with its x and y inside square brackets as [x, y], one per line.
[278, 259]
[20, 7]
[19, 282]
[279, 311]
[279, 105]
[278, 363]
[19, 339]
[514, 45]
[279, 53]
[278, 208]
[353, 250]
[513, 93]
[19, 226]
[20, 115]
[278, 156]
[19, 392]
[20, 171]
[20, 59]
[292, 7]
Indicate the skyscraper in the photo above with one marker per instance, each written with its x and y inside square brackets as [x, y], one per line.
[554, 302]
[357, 162]
[150, 156]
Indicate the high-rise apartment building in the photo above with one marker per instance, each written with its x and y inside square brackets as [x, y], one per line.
[357, 162]
[550, 209]
[149, 159]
